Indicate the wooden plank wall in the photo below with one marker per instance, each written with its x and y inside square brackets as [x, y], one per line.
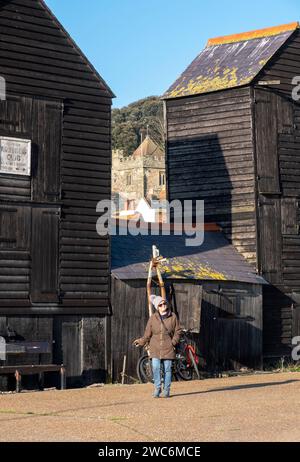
[38, 60]
[210, 157]
[230, 325]
[79, 342]
[44, 74]
[289, 160]
[281, 266]
[16, 118]
[15, 264]
[289, 170]
[33, 328]
[129, 319]
[284, 66]
[187, 303]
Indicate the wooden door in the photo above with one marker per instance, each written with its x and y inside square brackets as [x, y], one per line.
[270, 239]
[46, 132]
[266, 134]
[272, 116]
[44, 254]
[188, 302]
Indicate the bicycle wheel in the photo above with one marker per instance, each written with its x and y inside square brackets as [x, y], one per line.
[144, 369]
[195, 366]
[183, 369]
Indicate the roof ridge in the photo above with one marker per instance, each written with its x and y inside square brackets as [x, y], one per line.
[235, 63]
[77, 48]
[258, 33]
[147, 140]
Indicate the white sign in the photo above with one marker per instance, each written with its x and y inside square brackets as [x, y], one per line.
[15, 156]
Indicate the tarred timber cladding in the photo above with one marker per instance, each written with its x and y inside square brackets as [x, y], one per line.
[284, 65]
[39, 60]
[15, 119]
[281, 312]
[277, 322]
[15, 265]
[210, 157]
[289, 162]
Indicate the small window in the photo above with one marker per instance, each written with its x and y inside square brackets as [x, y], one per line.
[162, 178]
[128, 180]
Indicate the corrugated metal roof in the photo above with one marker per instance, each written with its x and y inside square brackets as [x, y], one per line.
[230, 61]
[215, 259]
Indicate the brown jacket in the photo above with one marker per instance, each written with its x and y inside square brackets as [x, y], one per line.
[162, 335]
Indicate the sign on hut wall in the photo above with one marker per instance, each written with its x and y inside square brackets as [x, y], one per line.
[15, 156]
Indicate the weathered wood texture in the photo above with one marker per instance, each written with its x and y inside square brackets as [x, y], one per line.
[283, 66]
[129, 319]
[227, 317]
[210, 157]
[278, 189]
[231, 325]
[56, 99]
[267, 153]
[79, 342]
[81, 346]
[187, 303]
[31, 328]
[52, 260]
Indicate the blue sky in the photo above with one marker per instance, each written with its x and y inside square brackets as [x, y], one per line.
[141, 46]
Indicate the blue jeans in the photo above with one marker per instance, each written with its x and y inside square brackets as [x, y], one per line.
[167, 374]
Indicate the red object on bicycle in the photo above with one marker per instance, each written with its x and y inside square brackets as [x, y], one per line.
[193, 351]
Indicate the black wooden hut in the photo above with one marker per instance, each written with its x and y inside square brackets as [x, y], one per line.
[233, 140]
[214, 291]
[55, 167]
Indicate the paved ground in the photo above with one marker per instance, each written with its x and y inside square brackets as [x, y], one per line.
[250, 408]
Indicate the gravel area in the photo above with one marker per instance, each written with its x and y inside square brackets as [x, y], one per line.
[262, 407]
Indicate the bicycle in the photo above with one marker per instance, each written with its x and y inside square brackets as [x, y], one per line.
[187, 359]
[184, 366]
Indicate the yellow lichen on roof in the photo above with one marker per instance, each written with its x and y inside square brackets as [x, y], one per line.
[186, 268]
[231, 61]
[190, 271]
[205, 84]
[266, 32]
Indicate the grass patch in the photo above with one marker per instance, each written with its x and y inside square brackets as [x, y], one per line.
[117, 419]
[38, 414]
[291, 368]
[284, 365]
[9, 411]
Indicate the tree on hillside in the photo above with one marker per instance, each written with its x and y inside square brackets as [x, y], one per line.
[129, 122]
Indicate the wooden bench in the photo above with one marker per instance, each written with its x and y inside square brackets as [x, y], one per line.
[39, 369]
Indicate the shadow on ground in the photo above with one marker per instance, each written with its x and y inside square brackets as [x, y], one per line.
[237, 387]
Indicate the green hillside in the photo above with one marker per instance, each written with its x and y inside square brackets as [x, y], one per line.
[129, 122]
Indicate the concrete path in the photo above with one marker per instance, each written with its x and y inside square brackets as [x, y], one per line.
[249, 408]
